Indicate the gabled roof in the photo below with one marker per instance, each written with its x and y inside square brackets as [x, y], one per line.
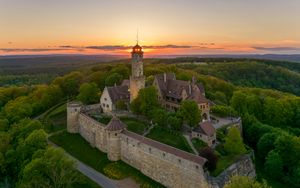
[117, 93]
[115, 124]
[206, 128]
[170, 87]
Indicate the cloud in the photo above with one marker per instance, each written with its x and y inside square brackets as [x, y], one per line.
[109, 47]
[29, 49]
[123, 47]
[105, 48]
[169, 46]
[276, 48]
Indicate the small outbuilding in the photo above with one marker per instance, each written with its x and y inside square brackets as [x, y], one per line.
[206, 132]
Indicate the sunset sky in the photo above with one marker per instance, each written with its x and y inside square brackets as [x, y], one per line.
[165, 26]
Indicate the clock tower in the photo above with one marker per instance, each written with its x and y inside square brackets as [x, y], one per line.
[137, 78]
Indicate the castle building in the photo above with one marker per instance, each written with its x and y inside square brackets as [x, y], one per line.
[112, 95]
[206, 132]
[129, 89]
[137, 78]
[171, 92]
[165, 164]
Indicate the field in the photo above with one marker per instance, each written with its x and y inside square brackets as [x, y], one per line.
[171, 138]
[135, 125]
[75, 145]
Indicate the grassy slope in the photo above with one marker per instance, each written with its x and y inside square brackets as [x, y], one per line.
[79, 148]
[170, 138]
[134, 125]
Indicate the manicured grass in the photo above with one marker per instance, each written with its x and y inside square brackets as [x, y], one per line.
[170, 137]
[198, 144]
[134, 125]
[80, 149]
[56, 119]
[85, 182]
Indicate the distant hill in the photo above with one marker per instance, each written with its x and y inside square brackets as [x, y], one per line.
[49, 63]
[279, 57]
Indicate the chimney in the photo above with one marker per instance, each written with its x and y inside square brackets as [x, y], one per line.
[190, 88]
[165, 77]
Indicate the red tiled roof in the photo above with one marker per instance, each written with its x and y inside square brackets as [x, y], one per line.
[115, 124]
[206, 128]
[166, 148]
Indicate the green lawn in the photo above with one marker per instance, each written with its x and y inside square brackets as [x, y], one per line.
[170, 137]
[56, 119]
[198, 144]
[134, 125]
[79, 148]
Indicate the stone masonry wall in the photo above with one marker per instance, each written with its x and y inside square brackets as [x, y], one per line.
[243, 167]
[166, 168]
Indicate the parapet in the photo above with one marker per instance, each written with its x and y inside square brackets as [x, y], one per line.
[74, 104]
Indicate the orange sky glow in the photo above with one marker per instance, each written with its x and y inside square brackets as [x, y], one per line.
[169, 27]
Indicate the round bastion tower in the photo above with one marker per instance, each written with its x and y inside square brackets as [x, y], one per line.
[73, 110]
[113, 130]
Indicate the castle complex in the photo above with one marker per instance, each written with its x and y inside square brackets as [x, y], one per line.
[163, 163]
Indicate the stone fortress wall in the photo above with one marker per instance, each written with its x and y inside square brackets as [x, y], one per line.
[165, 164]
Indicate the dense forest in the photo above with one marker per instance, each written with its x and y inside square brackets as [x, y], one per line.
[265, 95]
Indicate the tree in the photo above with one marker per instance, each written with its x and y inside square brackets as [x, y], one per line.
[159, 116]
[121, 70]
[244, 182]
[190, 112]
[238, 102]
[223, 111]
[145, 102]
[4, 141]
[294, 178]
[114, 78]
[53, 169]
[174, 122]
[88, 93]
[4, 124]
[2, 165]
[210, 155]
[233, 142]
[18, 109]
[266, 144]
[69, 83]
[274, 165]
[35, 141]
